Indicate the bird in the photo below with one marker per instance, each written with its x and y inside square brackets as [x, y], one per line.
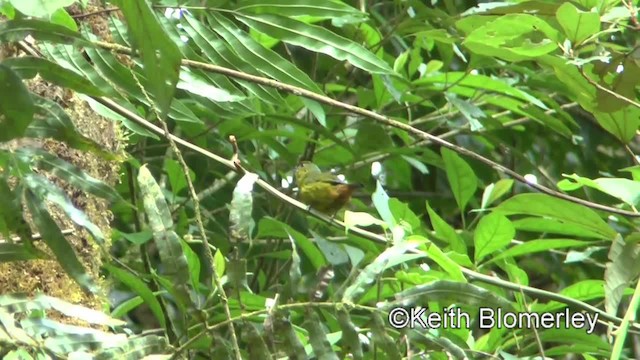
[323, 191]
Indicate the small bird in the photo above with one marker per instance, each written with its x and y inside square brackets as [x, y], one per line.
[322, 191]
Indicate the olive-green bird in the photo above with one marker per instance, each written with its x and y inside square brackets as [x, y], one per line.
[322, 191]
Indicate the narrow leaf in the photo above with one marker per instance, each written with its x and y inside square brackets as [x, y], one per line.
[17, 30]
[56, 241]
[16, 105]
[160, 56]
[139, 287]
[318, 39]
[70, 173]
[318, 337]
[29, 66]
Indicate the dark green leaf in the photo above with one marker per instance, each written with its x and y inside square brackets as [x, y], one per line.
[28, 67]
[17, 252]
[462, 179]
[72, 174]
[16, 105]
[17, 30]
[52, 121]
[269, 227]
[446, 232]
[56, 241]
[45, 190]
[139, 287]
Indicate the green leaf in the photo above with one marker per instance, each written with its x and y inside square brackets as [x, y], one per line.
[623, 123]
[168, 243]
[534, 246]
[332, 10]
[494, 191]
[11, 213]
[55, 240]
[45, 190]
[52, 121]
[494, 232]
[445, 262]
[193, 83]
[17, 30]
[586, 290]
[16, 105]
[264, 60]
[381, 202]
[553, 226]
[623, 267]
[72, 174]
[318, 338]
[318, 39]
[446, 291]
[62, 17]
[578, 25]
[446, 232]
[543, 205]
[623, 189]
[221, 53]
[461, 177]
[193, 262]
[269, 227]
[452, 80]
[139, 287]
[137, 238]
[390, 257]
[471, 112]
[18, 252]
[40, 8]
[219, 263]
[29, 66]
[513, 37]
[160, 55]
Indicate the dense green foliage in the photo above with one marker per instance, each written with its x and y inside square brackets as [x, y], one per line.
[496, 143]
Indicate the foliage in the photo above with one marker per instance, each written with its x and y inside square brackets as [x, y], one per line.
[498, 142]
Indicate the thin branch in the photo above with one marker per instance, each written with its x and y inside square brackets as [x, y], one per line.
[210, 262]
[610, 92]
[383, 120]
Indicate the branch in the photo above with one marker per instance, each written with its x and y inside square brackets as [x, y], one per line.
[383, 120]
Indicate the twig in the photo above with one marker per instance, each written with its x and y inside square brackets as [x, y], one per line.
[610, 92]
